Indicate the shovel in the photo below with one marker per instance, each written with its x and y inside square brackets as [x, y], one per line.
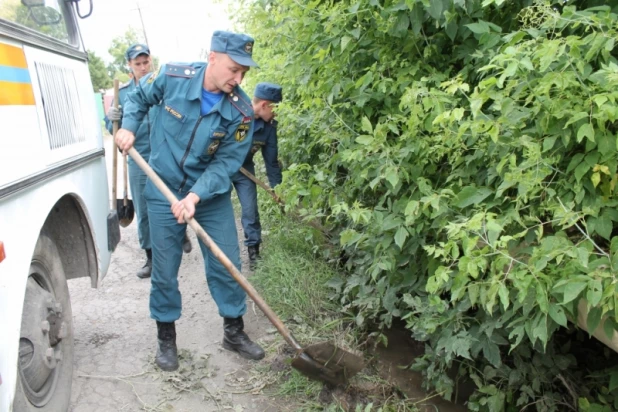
[126, 210]
[123, 206]
[322, 361]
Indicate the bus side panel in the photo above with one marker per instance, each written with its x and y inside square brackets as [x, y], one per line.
[22, 216]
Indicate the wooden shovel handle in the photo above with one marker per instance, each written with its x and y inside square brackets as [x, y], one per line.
[115, 149]
[262, 185]
[225, 261]
[125, 172]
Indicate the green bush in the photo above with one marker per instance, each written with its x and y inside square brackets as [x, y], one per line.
[465, 152]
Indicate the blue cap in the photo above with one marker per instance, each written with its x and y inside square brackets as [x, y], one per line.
[268, 91]
[238, 46]
[135, 50]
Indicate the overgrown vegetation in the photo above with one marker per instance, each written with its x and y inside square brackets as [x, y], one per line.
[294, 283]
[463, 152]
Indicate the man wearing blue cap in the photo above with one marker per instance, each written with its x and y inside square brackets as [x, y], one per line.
[200, 138]
[140, 64]
[266, 95]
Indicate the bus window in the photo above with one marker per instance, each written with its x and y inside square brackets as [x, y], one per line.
[43, 16]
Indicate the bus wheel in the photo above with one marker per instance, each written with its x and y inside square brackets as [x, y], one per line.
[45, 365]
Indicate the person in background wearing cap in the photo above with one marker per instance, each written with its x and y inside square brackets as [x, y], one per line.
[266, 95]
[200, 138]
[140, 64]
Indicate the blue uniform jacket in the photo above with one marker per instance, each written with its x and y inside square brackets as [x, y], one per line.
[265, 139]
[142, 135]
[191, 152]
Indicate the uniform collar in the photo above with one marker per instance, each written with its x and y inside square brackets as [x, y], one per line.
[224, 107]
[258, 124]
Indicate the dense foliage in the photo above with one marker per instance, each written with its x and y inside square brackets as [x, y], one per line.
[465, 152]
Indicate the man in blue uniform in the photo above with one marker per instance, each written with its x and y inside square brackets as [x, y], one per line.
[200, 138]
[140, 64]
[266, 95]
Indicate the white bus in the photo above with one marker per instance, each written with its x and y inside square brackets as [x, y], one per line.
[55, 219]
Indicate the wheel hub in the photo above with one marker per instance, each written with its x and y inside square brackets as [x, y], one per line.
[40, 344]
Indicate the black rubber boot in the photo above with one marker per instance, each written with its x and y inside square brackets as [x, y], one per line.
[236, 340]
[254, 255]
[167, 352]
[145, 272]
[186, 244]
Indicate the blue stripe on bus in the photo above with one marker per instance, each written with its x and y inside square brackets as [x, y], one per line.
[14, 74]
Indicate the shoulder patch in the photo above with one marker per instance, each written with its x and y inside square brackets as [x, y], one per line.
[241, 104]
[180, 71]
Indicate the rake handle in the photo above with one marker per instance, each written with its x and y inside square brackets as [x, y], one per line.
[115, 149]
[225, 261]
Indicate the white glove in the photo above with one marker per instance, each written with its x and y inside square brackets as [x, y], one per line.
[114, 114]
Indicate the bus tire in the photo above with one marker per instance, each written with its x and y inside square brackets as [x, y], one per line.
[45, 362]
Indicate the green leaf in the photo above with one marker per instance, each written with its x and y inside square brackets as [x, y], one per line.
[609, 327]
[366, 125]
[364, 139]
[549, 143]
[435, 9]
[594, 319]
[392, 176]
[557, 314]
[411, 208]
[583, 255]
[479, 28]
[583, 404]
[400, 28]
[503, 293]
[346, 236]
[471, 195]
[595, 292]
[540, 330]
[345, 40]
[401, 236]
[581, 170]
[492, 353]
[595, 179]
[604, 226]
[575, 161]
[585, 130]
[572, 290]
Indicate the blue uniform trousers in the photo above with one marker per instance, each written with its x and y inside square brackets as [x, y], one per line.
[250, 217]
[216, 216]
[137, 181]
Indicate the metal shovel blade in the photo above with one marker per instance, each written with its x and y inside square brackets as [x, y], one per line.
[126, 212]
[328, 363]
